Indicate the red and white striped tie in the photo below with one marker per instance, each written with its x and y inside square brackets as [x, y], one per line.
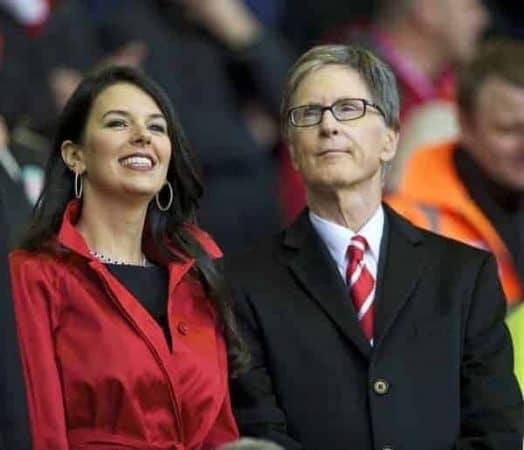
[361, 284]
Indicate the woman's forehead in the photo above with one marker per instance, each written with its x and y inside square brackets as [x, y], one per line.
[125, 97]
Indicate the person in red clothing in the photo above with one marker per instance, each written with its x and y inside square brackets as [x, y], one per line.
[123, 318]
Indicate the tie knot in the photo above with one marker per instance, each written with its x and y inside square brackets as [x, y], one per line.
[357, 247]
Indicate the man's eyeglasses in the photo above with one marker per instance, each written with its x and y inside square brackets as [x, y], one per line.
[342, 110]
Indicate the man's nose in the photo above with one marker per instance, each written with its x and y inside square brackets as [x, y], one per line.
[328, 123]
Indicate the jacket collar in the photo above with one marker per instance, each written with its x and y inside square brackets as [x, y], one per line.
[68, 235]
[308, 258]
[310, 262]
[296, 235]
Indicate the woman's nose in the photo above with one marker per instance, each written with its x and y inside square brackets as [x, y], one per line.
[142, 135]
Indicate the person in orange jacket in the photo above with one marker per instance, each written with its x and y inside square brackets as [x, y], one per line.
[473, 189]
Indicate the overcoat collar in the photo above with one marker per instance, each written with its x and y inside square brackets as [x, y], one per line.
[309, 260]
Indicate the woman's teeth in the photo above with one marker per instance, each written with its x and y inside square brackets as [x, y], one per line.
[137, 161]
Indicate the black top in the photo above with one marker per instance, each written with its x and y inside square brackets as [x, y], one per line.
[149, 286]
[503, 206]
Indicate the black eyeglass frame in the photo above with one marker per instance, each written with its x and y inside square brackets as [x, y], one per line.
[323, 109]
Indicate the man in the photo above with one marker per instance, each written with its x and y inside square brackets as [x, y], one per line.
[473, 189]
[422, 41]
[366, 332]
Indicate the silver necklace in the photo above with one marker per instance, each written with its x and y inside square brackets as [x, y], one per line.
[108, 260]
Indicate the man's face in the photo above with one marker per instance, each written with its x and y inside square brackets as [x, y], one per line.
[333, 154]
[461, 27]
[494, 134]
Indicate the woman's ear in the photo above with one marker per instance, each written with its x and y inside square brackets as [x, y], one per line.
[73, 156]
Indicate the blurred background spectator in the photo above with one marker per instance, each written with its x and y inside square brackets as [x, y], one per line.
[472, 188]
[15, 189]
[222, 63]
[14, 420]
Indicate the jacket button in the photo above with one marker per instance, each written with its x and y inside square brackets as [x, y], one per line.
[182, 328]
[381, 387]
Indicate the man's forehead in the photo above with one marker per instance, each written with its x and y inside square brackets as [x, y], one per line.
[499, 95]
[331, 82]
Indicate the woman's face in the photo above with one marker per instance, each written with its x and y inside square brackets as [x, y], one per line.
[126, 148]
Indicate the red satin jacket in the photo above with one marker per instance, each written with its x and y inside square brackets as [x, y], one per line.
[98, 371]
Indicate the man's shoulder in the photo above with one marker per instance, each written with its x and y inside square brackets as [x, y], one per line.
[455, 248]
[437, 245]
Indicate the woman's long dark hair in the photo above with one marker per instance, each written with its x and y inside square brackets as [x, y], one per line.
[170, 225]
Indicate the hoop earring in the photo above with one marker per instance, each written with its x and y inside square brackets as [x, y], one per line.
[79, 185]
[171, 196]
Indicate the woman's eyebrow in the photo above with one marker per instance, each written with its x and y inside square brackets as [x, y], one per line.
[127, 114]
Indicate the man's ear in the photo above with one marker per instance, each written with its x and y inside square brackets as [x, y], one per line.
[73, 156]
[293, 156]
[390, 145]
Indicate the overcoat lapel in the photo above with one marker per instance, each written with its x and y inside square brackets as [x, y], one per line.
[403, 268]
[310, 262]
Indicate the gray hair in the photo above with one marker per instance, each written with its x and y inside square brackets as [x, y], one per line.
[376, 74]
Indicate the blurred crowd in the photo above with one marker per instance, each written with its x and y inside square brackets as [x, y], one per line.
[223, 62]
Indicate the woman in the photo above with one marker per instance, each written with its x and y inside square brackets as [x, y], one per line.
[121, 312]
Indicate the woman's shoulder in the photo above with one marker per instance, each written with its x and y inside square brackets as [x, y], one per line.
[44, 263]
[23, 257]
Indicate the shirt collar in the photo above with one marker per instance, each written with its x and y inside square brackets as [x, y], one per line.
[337, 237]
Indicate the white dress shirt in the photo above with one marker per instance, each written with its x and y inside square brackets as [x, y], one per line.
[337, 239]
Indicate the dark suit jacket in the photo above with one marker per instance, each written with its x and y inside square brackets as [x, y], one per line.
[14, 426]
[438, 378]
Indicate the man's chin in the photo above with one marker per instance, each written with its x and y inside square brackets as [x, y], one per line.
[331, 184]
